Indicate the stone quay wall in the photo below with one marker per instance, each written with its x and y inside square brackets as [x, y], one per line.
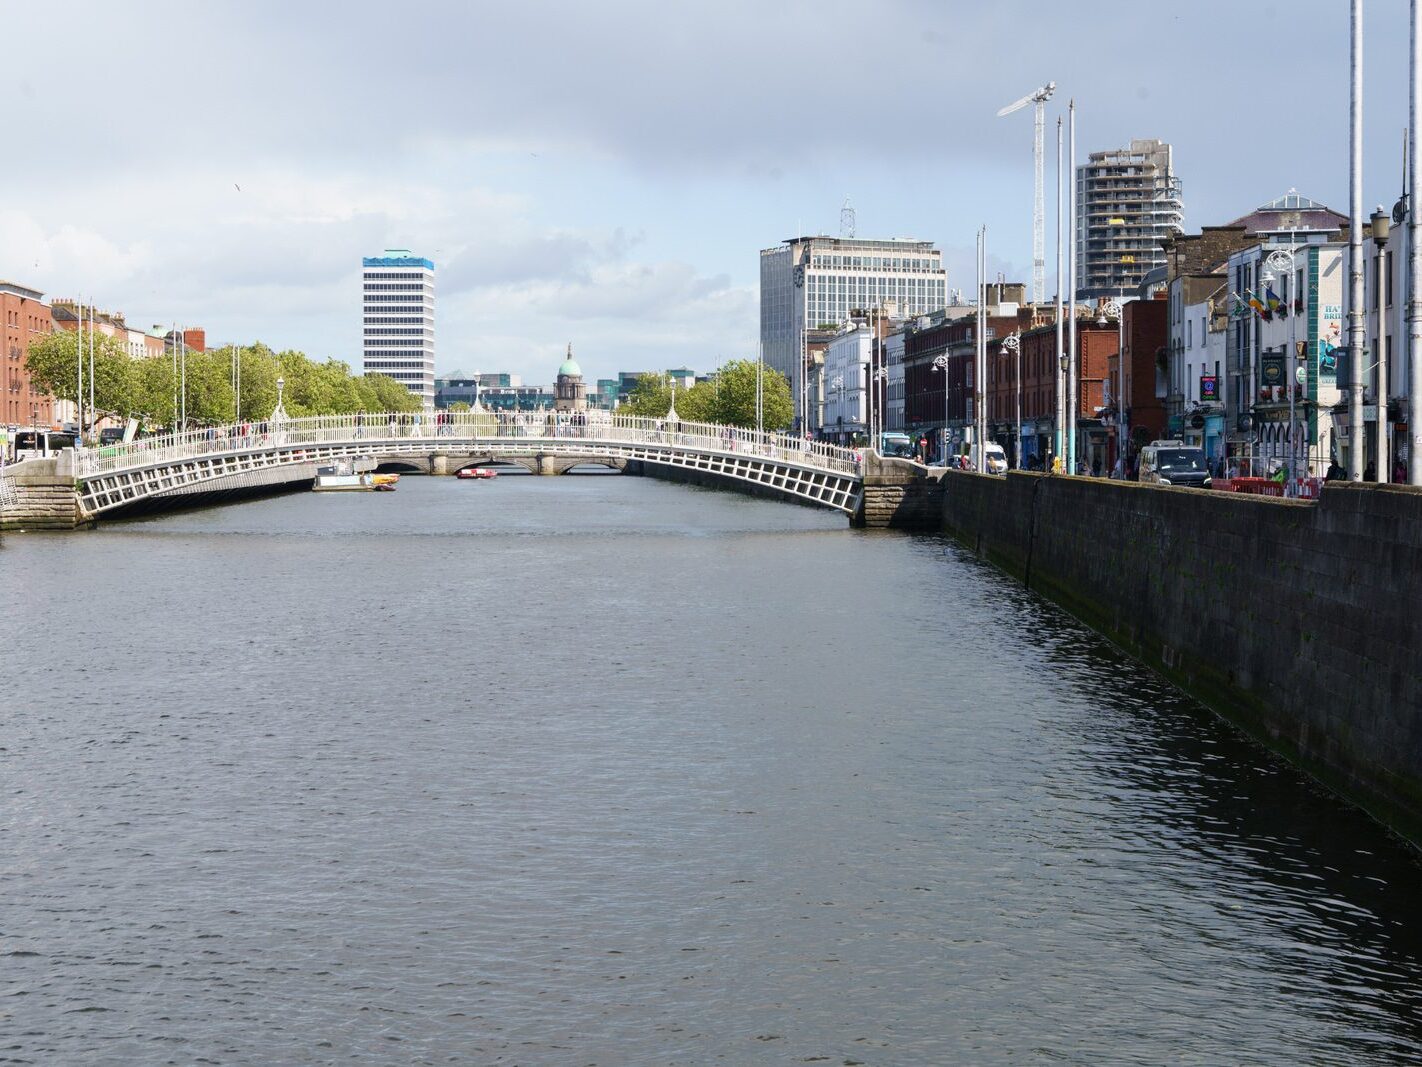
[1301, 623]
[39, 494]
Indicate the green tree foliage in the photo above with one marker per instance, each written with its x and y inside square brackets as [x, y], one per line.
[650, 397]
[150, 388]
[727, 398]
[734, 395]
[53, 362]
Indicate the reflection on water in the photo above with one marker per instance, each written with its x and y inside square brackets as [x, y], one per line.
[603, 770]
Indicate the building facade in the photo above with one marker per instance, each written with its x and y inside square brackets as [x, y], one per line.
[24, 316]
[810, 282]
[1096, 342]
[398, 305]
[1127, 201]
[456, 389]
[845, 382]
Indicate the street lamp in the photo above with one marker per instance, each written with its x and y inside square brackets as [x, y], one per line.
[837, 384]
[940, 363]
[1013, 343]
[1380, 225]
[881, 395]
[279, 412]
[1282, 260]
[1113, 309]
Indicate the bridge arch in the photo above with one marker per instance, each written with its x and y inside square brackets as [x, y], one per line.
[289, 450]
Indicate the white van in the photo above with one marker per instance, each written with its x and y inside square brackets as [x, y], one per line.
[994, 458]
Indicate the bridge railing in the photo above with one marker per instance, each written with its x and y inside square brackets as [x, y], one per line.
[474, 426]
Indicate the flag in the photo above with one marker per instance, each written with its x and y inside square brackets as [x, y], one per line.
[1277, 306]
[1240, 310]
[1258, 306]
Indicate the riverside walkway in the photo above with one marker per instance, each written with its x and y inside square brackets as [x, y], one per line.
[278, 451]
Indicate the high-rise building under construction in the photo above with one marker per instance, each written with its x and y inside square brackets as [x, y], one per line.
[1127, 200]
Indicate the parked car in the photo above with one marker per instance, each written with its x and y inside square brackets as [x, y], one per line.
[1174, 463]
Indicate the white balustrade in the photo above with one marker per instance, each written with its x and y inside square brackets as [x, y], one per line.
[471, 431]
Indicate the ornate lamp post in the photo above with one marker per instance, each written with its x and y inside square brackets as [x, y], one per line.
[279, 412]
[837, 384]
[1013, 343]
[1281, 261]
[1113, 310]
[881, 396]
[1380, 226]
[940, 363]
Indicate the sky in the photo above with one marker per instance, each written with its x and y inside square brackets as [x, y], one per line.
[606, 173]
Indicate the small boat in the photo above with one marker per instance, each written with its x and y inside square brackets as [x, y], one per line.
[477, 472]
[343, 478]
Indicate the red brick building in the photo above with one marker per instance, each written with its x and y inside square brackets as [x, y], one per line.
[25, 317]
[1146, 356]
[937, 400]
[1096, 348]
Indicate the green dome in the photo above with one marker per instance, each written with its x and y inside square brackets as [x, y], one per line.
[570, 366]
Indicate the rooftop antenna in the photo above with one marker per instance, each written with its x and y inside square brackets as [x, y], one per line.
[846, 220]
[1039, 238]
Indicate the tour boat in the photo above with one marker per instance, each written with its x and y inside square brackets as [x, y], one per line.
[343, 478]
[477, 472]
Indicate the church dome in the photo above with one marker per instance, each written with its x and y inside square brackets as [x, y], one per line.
[570, 367]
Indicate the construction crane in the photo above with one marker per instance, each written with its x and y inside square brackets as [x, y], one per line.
[1039, 237]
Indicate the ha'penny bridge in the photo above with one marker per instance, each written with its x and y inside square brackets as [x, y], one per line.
[224, 462]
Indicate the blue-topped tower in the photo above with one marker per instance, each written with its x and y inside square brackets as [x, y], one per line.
[397, 307]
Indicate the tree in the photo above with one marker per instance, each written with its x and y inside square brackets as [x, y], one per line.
[727, 398]
[53, 363]
[459, 407]
[651, 397]
[733, 387]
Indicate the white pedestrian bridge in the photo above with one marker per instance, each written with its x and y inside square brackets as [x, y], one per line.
[249, 455]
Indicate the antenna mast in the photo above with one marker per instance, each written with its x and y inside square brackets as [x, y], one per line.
[846, 219]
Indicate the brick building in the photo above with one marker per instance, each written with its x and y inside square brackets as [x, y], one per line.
[25, 316]
[1147, 358]
[1096, 347]
[138, 343]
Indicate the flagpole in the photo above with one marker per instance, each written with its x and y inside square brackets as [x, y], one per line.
[1071, 384]
[1414, 256]
[91, 364]
[1356, 370]
[79, 388]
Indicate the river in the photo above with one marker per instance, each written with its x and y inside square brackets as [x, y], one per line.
[603, 770]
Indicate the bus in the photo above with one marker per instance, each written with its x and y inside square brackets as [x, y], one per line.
[39, 444]
[893, 443]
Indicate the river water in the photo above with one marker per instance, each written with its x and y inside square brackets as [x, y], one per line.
[601, 770]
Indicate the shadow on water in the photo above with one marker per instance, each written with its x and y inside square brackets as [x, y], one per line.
[1328, 889]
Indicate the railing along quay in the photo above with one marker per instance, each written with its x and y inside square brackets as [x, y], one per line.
[465, 429]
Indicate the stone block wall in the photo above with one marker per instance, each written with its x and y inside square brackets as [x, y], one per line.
[39, 494]
[899, 494]
[1297, 621]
